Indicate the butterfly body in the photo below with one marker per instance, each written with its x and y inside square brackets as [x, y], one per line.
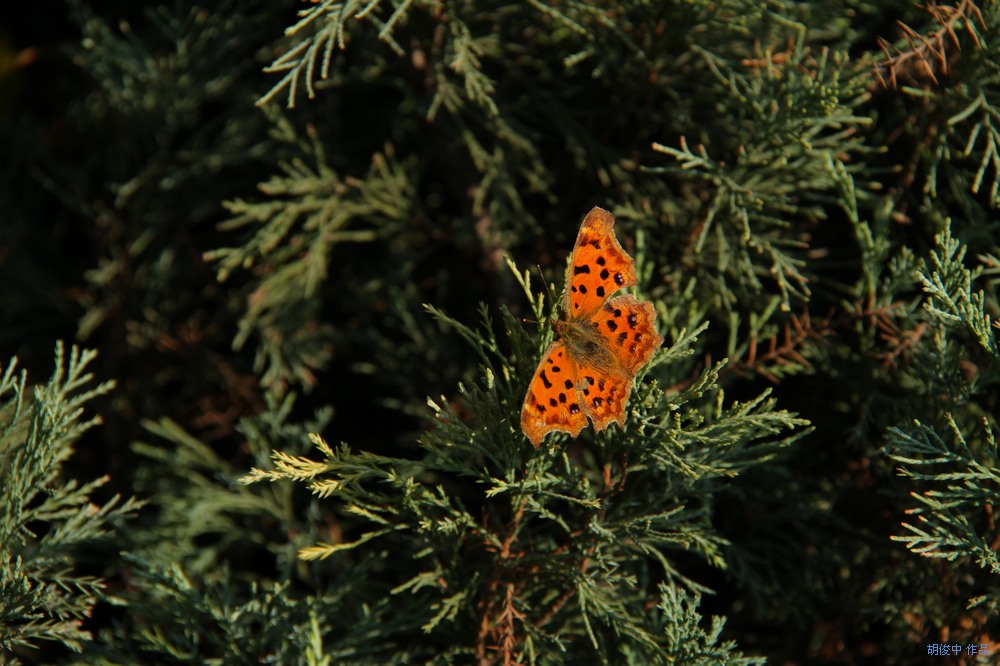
[603, 342]
[583, 341]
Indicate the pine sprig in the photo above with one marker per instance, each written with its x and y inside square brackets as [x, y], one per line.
[45, 521]
[775, 174]
[310, 209]
[319, 32]
[959, 478]
[687, 641]
[949, 458]
[951, 302]
[310, 212]
[199, 499]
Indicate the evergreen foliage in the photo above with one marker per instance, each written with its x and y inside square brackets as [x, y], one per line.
[298, 233]
[48, 523]
[552, 550]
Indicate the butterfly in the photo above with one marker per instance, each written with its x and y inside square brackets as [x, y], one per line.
[603, 342]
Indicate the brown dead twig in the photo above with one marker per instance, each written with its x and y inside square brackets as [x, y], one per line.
[499, 624]
[795, 333]
[769, 60]
[900, 342]
[506, 627]
[499, 638]
[932, 55]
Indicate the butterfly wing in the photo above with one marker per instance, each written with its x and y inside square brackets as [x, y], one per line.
[588, 372]
[553, 402]
[629, 331]
[603, 395]
[598, 268]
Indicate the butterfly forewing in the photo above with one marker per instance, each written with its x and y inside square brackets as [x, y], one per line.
[598, 268]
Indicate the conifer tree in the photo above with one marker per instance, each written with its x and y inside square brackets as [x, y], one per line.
[313, 251]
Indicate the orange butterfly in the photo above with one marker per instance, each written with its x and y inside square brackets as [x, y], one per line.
[587, 372]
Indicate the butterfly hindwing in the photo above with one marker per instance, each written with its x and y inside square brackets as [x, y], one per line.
[553, 402]
[629, 329]
[603, 396]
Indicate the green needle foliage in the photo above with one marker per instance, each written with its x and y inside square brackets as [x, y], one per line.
[50, 526]
[522, 553]
[299, 233]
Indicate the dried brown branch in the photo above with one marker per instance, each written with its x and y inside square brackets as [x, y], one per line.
[505, 627]
[771, 61]
[900, 342]
[929, 57]
[795, 333]
[499, 635]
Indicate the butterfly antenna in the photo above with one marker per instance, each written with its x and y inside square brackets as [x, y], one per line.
[548, 290]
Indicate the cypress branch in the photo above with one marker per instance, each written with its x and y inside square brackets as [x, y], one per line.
[48, 522]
